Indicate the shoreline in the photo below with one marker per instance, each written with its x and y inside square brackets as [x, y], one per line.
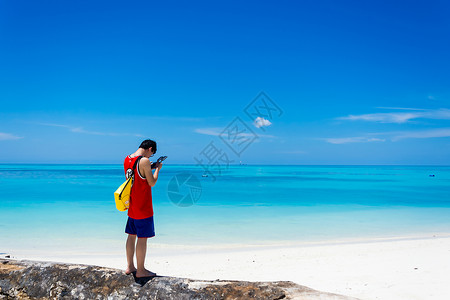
[174, 249]
[408, 267]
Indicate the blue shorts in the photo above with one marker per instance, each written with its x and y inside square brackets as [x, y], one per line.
[143, 228]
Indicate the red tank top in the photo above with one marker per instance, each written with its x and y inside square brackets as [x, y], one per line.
[141, 206]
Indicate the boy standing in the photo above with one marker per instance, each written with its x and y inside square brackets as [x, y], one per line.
[140, 213]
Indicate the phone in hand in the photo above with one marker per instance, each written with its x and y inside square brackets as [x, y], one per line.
[160, 160]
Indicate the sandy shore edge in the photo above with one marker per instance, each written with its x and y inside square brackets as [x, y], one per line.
[414, 267]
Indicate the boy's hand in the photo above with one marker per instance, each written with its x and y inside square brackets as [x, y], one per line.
[157, 165]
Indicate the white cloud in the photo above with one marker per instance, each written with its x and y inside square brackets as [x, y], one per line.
[401, 117]
[261, 122]
[8, 137]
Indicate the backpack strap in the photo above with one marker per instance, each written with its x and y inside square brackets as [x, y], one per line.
[136, 162]
[134, 166]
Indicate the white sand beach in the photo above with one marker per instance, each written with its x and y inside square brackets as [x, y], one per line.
[397, 268]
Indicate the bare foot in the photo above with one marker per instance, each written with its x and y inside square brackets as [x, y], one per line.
[144, 273]
[129, 271]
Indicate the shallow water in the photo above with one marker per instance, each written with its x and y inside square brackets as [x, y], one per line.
[70, 206]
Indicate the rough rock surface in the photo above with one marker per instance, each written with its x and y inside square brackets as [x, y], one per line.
[45, 280]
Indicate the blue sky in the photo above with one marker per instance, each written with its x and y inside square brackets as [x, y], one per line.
[355, 82]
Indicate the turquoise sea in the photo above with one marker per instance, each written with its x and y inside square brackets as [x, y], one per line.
[71, 206]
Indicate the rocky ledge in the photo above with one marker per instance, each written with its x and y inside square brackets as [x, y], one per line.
[45, 280]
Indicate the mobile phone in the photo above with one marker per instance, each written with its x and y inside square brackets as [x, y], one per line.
[159, 160]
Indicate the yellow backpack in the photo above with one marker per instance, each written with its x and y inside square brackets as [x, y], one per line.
[122, 194]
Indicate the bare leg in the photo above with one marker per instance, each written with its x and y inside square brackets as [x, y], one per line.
[141, 251]
[131, 241]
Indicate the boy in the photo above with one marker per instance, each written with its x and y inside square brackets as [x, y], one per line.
[140, 213]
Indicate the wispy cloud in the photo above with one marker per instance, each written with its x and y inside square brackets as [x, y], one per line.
[401, 117]
[8, 137]
[220, 131]
[398, 115]
[183, 119]
[209, 131]
[83, 131]
[383, 117]
[294, 152]
[421, 134]
[400, 108]
[393, 136]
[359, 139]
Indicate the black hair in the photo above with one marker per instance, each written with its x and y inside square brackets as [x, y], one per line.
[147, 144]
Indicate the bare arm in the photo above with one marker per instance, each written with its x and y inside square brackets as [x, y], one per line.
[146, 167]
